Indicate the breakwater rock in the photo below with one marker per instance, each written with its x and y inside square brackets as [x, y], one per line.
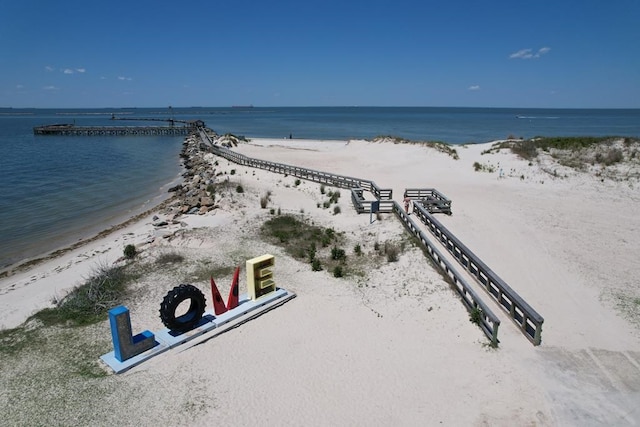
[196, 193]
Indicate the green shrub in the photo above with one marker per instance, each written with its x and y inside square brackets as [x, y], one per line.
[322, 189]
[475, 315]
[316, 265]
[336, 210]
[334, 197]
[130, 252]
[337, 271]
[233, 171]
[312, 252]
[338, 254]
[297, 182]
[357, 249]
[239, 189]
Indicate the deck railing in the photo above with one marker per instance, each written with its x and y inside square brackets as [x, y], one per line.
[488, 321]
[523, 315]
[432, 200]
[335, 180]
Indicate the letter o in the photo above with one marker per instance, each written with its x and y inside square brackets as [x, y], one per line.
[171, 302]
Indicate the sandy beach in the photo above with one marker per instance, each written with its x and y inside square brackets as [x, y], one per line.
[392, 345]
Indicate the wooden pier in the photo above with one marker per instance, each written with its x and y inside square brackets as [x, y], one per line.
[73, 130]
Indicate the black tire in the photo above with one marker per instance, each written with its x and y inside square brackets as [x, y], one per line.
[171, 302]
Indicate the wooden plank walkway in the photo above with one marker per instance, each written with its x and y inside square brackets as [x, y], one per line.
[528, 320]
[488, 322]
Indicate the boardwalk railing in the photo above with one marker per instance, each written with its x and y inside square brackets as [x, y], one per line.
[524, 316]
[432, 200]
[336, 180]
[489, 322]
[364, 206]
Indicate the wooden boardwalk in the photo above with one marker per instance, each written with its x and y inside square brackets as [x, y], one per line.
[427, 201]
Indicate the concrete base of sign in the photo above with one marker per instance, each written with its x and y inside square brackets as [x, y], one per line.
[118, 366]
[168, 339]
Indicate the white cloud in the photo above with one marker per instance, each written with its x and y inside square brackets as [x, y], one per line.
[48, 68]
[474, 87]
[50, 88]
[72, 70]
[524, 54]
[529, 53]
[125, 78]
[19, 87]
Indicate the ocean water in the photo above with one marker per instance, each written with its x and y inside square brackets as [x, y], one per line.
[55, 190]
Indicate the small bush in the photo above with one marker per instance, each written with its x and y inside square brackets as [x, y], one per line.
[312, 252]
[316, 265]
[376, 246]
[475, 316]
[336, 210]
[392, 252]
[613, 156]
[130, 252]
[334, 197]
[233, 171]
[297, 182]
[337, 271]
[357, 249]
[239, 189]
[338, 254]
[264, 200]
[322, 189]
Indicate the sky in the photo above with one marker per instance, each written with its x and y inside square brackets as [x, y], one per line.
[142, 53]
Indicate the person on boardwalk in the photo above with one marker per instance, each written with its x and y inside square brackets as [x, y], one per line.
[407, 201]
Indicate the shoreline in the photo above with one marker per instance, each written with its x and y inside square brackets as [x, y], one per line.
[95, 231]
[27, 263]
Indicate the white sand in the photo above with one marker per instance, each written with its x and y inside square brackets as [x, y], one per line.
[397, 348]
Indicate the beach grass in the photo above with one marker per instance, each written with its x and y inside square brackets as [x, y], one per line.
[89, 303]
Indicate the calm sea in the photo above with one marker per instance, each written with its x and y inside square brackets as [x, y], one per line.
[56, 190]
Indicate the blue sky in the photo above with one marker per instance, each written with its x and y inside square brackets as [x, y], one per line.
[566, 54]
